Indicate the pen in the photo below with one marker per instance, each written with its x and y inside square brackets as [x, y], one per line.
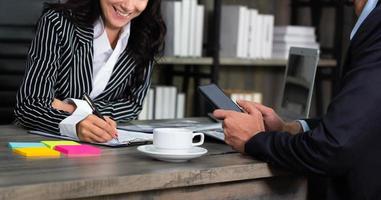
[95, 110]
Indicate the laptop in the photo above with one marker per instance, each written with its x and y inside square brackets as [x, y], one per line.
[298, 83]
[297, 88]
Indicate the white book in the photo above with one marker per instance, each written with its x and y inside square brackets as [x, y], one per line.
[172, 102]
[294, 38]
[185, 21]
[269, 21]
[165, 103]
[180, 106]
[192, 27]
[199, 31]
[243, 30]
[257, 97]
[159, 99]
[177, 36]
[151, 105]
[294, 30]
[171, 11]
[252, 33]
[258, 37]
[230, 17]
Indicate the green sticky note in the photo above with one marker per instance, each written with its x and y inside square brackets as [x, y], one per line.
[13, 145]
[52, 144]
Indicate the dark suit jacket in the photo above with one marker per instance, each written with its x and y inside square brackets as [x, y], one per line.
[60, 65]
[346, 145]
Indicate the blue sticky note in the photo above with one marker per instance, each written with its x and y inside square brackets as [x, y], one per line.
[24, 144]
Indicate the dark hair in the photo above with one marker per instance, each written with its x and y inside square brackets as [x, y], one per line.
[147, 30]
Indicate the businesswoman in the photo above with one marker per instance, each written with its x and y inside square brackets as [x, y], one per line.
[104, 48]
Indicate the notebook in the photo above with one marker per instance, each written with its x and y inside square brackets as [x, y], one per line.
[125, 138]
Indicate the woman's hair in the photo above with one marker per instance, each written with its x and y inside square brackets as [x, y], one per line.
[146, 41]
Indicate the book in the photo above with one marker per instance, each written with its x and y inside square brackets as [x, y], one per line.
[294, 30]
[253, 32]
[171, 11]
[185, 32]
[180, 106]
[125, 138]
[199, 31]
[231, 30]
[192, 28]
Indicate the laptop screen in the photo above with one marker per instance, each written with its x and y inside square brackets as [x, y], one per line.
[298, 83]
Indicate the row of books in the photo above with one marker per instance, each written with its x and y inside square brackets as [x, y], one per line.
[293, 36]
[245, 95]
[185, 24]
[163, 102]
[245, 33]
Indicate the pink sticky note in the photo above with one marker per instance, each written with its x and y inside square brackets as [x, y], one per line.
[78, 150]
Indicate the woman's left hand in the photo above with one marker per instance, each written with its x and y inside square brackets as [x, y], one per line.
[60, 105]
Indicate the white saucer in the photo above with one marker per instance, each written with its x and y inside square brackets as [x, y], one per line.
[182, 156]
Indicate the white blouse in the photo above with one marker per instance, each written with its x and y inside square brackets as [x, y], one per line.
[104, 60]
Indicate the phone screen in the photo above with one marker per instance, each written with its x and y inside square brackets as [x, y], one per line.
[218, 98]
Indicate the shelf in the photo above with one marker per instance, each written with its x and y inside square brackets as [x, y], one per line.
[235, 62]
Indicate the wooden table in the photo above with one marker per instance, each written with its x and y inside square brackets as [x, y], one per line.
[125, 173]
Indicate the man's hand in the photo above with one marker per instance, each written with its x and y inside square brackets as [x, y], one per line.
[60, 105]
[94, 129]
[272, 120]
[240, 127]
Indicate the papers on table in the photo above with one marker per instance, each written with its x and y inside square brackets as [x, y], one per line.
[125, 138]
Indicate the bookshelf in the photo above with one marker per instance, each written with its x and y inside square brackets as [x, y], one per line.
[209, 67]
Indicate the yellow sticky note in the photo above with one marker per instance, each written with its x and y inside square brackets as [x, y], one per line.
[52, 144]
[37, 152]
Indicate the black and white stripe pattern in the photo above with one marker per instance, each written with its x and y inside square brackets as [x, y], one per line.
[60, 66]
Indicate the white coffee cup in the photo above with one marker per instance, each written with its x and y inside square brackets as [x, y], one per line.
[175, 139]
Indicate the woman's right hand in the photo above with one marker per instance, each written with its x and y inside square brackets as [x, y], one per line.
[94, 129]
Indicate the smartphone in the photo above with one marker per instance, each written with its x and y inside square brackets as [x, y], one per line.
[218, 98]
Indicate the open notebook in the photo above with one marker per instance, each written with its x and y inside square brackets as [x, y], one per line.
[125, 138]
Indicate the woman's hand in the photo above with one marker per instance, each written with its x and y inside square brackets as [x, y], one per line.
[94, 129]
[60, 105]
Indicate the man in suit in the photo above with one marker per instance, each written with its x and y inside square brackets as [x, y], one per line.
[344, 145]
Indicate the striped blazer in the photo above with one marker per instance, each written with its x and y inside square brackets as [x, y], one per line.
[59, 66]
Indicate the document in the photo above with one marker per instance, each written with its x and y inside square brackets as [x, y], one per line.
[125, 138]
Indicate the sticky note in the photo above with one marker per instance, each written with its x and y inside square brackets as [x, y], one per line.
[24, 144]
[78, 150]
[36, 152]
[52, 144]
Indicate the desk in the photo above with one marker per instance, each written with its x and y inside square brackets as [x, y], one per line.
[124, 173]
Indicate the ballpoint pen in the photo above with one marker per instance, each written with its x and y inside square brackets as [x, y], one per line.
[95, 110]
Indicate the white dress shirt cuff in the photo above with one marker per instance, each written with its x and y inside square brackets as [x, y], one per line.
[69, 124]
[304, 125]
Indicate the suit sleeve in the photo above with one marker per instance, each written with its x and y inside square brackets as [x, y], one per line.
[128, 108]
[33, 102]
[350, 128]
